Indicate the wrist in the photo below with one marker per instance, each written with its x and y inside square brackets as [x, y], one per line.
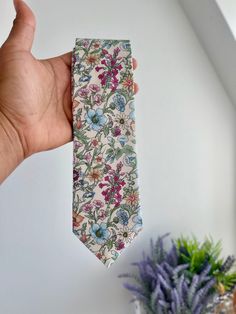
[11, 149]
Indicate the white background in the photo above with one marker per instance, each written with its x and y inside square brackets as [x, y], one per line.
[186, 133]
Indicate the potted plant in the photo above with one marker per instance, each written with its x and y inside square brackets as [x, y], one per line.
[187, 278]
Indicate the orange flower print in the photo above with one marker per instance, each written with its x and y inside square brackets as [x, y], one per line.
[83, 238]
[75, 104]
[77, 219]
[94, 142]
[97, 44]
[132, 198]
[128, 82]
[99, 158]
[92, 59]
[99, 255]
[94, 175]
[79, 124]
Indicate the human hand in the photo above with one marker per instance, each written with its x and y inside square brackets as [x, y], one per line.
[35, 95]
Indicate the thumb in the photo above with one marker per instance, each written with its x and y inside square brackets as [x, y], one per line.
[22, 32]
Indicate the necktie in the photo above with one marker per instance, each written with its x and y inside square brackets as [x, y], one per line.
[106, 209]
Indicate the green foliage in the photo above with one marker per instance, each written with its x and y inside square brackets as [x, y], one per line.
[197, 255]
[184, 279]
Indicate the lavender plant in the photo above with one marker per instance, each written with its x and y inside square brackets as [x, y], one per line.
[164, 286]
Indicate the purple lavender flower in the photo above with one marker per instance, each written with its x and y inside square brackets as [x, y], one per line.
[165, 286]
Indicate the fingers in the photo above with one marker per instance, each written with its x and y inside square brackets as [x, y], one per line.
[22, 32]
[135, 63]
[66, 58]
[136, 88]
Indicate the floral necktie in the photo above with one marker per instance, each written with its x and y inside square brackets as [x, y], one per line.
[106, 210]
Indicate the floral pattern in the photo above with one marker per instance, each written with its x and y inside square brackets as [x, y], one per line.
[106, 210]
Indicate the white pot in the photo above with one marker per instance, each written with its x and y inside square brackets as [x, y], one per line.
[223, 304]
[139, 308]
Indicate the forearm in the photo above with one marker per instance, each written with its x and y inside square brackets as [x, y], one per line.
[11, 151]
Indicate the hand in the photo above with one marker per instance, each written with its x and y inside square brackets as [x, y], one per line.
[35, 95]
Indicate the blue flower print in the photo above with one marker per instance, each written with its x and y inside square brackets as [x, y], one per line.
[85, 78]
[119, 102]
[123, 140]
[80, 67]
[130, 160]
[123, 216]
[115, 254]
[96, 119]
[125, 45]
[100, 233]
[106, 44]
[89, 194]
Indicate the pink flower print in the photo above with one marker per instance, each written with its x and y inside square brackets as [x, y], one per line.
[116, 131]
[111, 68]
[83, 92]
[87, 156]
[120, 245]
[96, 44]
[87, 207]
[104, 52]
[94, 88]
[99, 255]
[77, 145]
[99, 158]
[107, 168]
[119, 166]
[77, 219]
[83, 238]
[85, 43]
[97, 99]
[102, 214]
[75, 104]
[98, 203]
[113, 184]
[79, 124]
[76, 174]
[106, 178]
[116, 51]
[95, 142]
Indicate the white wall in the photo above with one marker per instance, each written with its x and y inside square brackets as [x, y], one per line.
[186, 132]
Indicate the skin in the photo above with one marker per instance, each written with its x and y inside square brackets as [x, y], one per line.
[35, 96]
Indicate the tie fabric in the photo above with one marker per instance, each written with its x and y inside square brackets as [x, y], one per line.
[106, 209]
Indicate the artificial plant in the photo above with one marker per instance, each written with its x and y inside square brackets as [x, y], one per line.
[178, 280]
[197, 255]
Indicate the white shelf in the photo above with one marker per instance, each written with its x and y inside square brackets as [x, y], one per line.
[228, 9]
[215, 33]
